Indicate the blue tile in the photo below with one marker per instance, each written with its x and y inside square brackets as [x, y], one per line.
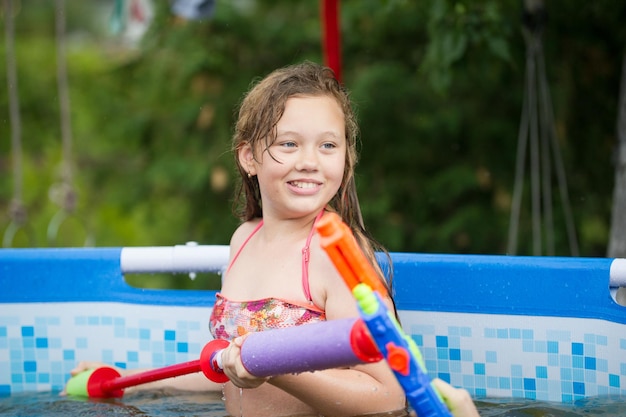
[530, 395]
[602, 340]
[93, 321]
[144, 334]
[491, 356]
[490, 333]
[541, 372]
[528, 345]
[455, 354]
[442, 353]
[467, 355]
[479, 369]
[516, 370]
[553, 347]
[182, 347]
[492, 382]
[443, 366]
[517, 383]
[590, 338]
[5, 390]
[43, 378]
[466, 331]
[541, 346]
[30, 366]
[169, 335]
[577, 349]
[444, 376]
[455, 367]
[28, 331]
[529, 384]
[68, 355]
[577, 362]
[441, 341]
[566, 387]
[614, 380]
[590, 362]
[3, 333]
[602, 365]
[528, 334]
[41, 342]
[502, 333]
[132, 356]
[480, 393]
[418, 339]
[515, 334]
[504, 382]
[579, 388]
[578, 375]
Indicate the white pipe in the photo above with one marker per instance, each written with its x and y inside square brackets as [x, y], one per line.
[175, 259]
[617, 273]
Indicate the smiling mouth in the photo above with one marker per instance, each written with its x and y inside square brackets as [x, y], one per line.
[304, 185]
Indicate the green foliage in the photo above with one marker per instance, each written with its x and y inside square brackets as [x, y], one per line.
[438, 87]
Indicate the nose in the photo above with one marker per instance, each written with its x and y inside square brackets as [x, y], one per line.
[307, 159]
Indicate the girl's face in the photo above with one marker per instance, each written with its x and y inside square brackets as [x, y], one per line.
[307, 161]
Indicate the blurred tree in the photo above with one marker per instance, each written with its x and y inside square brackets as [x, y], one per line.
[438, 87]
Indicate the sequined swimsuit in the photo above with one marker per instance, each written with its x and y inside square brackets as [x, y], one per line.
[230, 319]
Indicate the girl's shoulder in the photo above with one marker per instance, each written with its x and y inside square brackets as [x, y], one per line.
[243, 231]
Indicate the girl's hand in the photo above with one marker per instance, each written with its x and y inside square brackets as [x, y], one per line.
[234, 369]
[458, 400]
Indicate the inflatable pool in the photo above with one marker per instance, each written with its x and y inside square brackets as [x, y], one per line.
[540, 328]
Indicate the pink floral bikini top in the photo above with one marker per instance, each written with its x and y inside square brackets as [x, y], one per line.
[230, 319]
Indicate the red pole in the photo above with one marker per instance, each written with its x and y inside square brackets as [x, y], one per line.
[331, 35]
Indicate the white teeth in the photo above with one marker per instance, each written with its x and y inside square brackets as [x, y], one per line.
[300, 184]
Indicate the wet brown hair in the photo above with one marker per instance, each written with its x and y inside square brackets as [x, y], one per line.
[260, 111]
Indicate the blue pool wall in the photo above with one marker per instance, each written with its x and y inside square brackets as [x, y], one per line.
[517, 327]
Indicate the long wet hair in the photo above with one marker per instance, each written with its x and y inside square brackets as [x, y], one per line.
[259, 113]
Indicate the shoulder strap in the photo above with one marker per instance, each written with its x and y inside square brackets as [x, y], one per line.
[306, 252]
[245, 242]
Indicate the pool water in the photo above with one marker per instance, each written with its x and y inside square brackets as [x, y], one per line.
[156, 404]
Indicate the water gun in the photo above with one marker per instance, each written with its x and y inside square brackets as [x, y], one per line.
[400, 351]
[310, 347]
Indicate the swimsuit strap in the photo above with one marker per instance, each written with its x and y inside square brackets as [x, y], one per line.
[256, 229]
[306, 252]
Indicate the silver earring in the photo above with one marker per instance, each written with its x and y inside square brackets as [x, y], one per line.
[249, 175]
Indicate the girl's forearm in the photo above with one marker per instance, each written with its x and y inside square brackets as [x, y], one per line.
[343, 392]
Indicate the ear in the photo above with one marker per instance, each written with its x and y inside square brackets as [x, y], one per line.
[246, 159]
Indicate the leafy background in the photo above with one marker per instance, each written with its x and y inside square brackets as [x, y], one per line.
[438, 87]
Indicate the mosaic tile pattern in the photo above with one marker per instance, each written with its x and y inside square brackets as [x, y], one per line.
[41, 343]
[550, 359]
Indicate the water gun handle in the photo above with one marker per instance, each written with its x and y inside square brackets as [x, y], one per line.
[401, 353]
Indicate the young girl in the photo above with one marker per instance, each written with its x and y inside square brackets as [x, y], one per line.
[295, 148]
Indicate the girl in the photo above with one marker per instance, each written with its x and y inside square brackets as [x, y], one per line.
[295, 148]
